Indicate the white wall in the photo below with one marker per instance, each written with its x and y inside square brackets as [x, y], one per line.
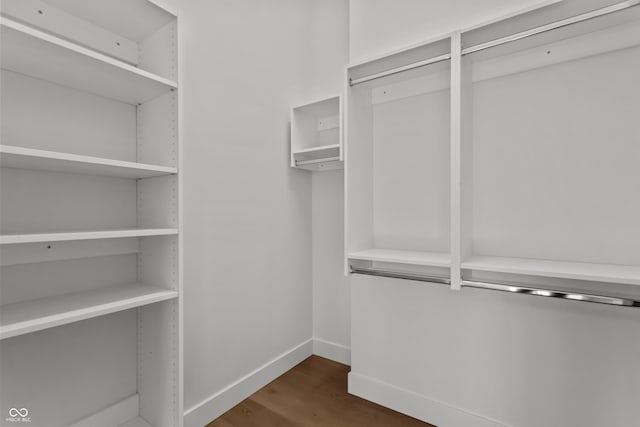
[247, 214]
[479, 358]
[331, 318]
[381, 26]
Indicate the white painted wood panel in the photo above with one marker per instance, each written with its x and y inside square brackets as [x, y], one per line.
[607, 273]
[37, 54]
[41, 115]
[411, 173]
[27, 158]
[430, 259]
[34, 201]
[35, 315]
[42, 15]
[555, 160]
[54, 372]
[26, 282]
[8, 239]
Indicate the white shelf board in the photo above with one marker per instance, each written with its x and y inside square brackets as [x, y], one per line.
[34, 53]
[322, 166]
[28, 158]
[331, 147]
[8, 239]
[429, 259]
[35, 315]
[609, 273]
[136, 422]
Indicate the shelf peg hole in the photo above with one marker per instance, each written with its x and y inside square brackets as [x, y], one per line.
[40, 12]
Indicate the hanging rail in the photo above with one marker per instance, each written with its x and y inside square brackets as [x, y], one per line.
[436, 280]
[518, 289]
[434, 60]
[503, 40]
[310, 162]
[554, 293]
[552, 26]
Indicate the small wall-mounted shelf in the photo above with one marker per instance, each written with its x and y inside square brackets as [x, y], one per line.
[606, 273]
[34, 53]
[28, 158]
[35, 315]
[8, 239]
[427, 259]
[316, 135]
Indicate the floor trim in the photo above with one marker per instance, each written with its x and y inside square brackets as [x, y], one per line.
[225, 399]
[332, 351]
[416, 405]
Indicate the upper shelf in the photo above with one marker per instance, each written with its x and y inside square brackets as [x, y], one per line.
[609, 273]
[13, 238]
[428, 259]
[35, 315]
[37, 54]
[28, 158]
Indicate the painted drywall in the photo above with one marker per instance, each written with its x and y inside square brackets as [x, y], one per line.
[249, 218]
[331, 309]
[381, 26]
[331, 318]
[478, 358]
[247, 214]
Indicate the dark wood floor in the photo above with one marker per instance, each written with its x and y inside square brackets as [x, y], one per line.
[313, 394]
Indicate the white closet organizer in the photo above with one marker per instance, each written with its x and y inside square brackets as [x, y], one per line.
[552, 146]
[316, 135]
[398, 157]
[543, 154]
[90, 213]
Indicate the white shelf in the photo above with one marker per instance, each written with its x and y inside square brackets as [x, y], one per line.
[35, 315]
[28, 158]
[609, 273]
[136, 422]
[429, 259]
[321, 149]
[8, 239]
[37, 54]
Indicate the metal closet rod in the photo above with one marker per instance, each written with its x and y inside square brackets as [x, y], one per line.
[554, 293]
[518, 289]
[441, 58]
[310, 162]
[503, 40]
[436, 280]
[552, 26]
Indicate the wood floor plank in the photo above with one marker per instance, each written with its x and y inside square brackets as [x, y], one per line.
[312, 394]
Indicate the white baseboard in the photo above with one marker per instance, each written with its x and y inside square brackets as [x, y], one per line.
[416, 405]
[225, 399]
[331, 350]
[114, 415]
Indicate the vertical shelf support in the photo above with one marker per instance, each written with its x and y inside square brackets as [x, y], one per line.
[456, 161]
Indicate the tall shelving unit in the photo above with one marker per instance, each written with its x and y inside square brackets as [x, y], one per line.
[90, 256]
[521, 173]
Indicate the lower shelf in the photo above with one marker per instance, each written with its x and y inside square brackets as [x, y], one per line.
[121, 414]
[609, 273]
[136, 422]
[428, 259]
[12, 238]
[30, 316]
